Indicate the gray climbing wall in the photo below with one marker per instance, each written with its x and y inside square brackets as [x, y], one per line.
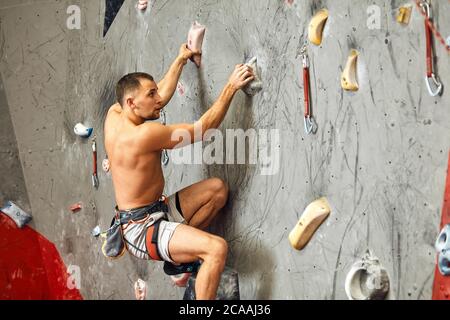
[380, 154]
[13, 187]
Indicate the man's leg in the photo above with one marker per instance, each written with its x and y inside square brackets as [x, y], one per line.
[201, 201]
[189, 244]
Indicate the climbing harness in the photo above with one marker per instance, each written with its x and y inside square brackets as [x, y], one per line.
[310, 123]
[94, 172]
[434, 86]
[114, 242]
[165, 155]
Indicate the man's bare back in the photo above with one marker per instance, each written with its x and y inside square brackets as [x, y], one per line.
[136, 172]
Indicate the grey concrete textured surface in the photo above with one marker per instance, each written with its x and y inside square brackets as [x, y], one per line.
[13, 187]
[379, 156]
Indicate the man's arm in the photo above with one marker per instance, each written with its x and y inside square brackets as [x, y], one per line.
[168, 85]
[157, 137]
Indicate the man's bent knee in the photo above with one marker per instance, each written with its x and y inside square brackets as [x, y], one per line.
[220, 191]
[218, 249]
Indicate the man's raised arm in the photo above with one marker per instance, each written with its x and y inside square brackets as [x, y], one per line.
[158, 137]
[168, 85]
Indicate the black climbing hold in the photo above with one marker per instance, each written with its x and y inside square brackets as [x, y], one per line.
[228, 286]
[111, 9]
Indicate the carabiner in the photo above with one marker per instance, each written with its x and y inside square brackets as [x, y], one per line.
[433, 83]
[165, 157]
[426, 8]
[310, 125]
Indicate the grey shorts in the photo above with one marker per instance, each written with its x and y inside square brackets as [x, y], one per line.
[167, 228]
[135, 232]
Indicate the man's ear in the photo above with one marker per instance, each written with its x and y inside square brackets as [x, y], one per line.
[129, 101]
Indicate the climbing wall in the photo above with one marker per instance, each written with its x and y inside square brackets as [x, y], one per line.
[379, 156]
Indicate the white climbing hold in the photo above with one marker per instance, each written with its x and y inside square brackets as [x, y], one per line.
[96, 231]
[367, 279]
[256, 85]
[82, 131]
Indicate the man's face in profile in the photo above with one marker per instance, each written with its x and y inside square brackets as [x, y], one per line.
[147, 100]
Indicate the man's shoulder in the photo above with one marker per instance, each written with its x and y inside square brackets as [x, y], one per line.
[149, 127]
[114, 109]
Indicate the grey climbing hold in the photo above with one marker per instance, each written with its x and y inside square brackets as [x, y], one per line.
[255, 86]
[442, 246]
[444, 262]
[443, 240]
[367, 279]
[20, 217]
[228, 286]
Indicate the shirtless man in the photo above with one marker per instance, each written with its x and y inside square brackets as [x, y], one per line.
[134, 149]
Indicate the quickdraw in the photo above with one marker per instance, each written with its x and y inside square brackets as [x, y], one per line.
[434, 86]
[94, 171]
[310, 123]
[165, 155]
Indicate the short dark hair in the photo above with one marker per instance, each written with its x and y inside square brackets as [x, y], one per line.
[129, 83]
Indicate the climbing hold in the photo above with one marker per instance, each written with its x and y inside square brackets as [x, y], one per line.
[316, 26]
[75, 207]
[82, 131]
[195, 41]
[448, 41]
[256, 85]
[367, 279]
[20, 217]
[140, 289]
[404, 14]
[443, 240]
[313, 216]
[348, 78]
[444, 262]
[96, 231]
[142, 4]
[181, 89]
[106, 165]
[228, 286]
[181, 280]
